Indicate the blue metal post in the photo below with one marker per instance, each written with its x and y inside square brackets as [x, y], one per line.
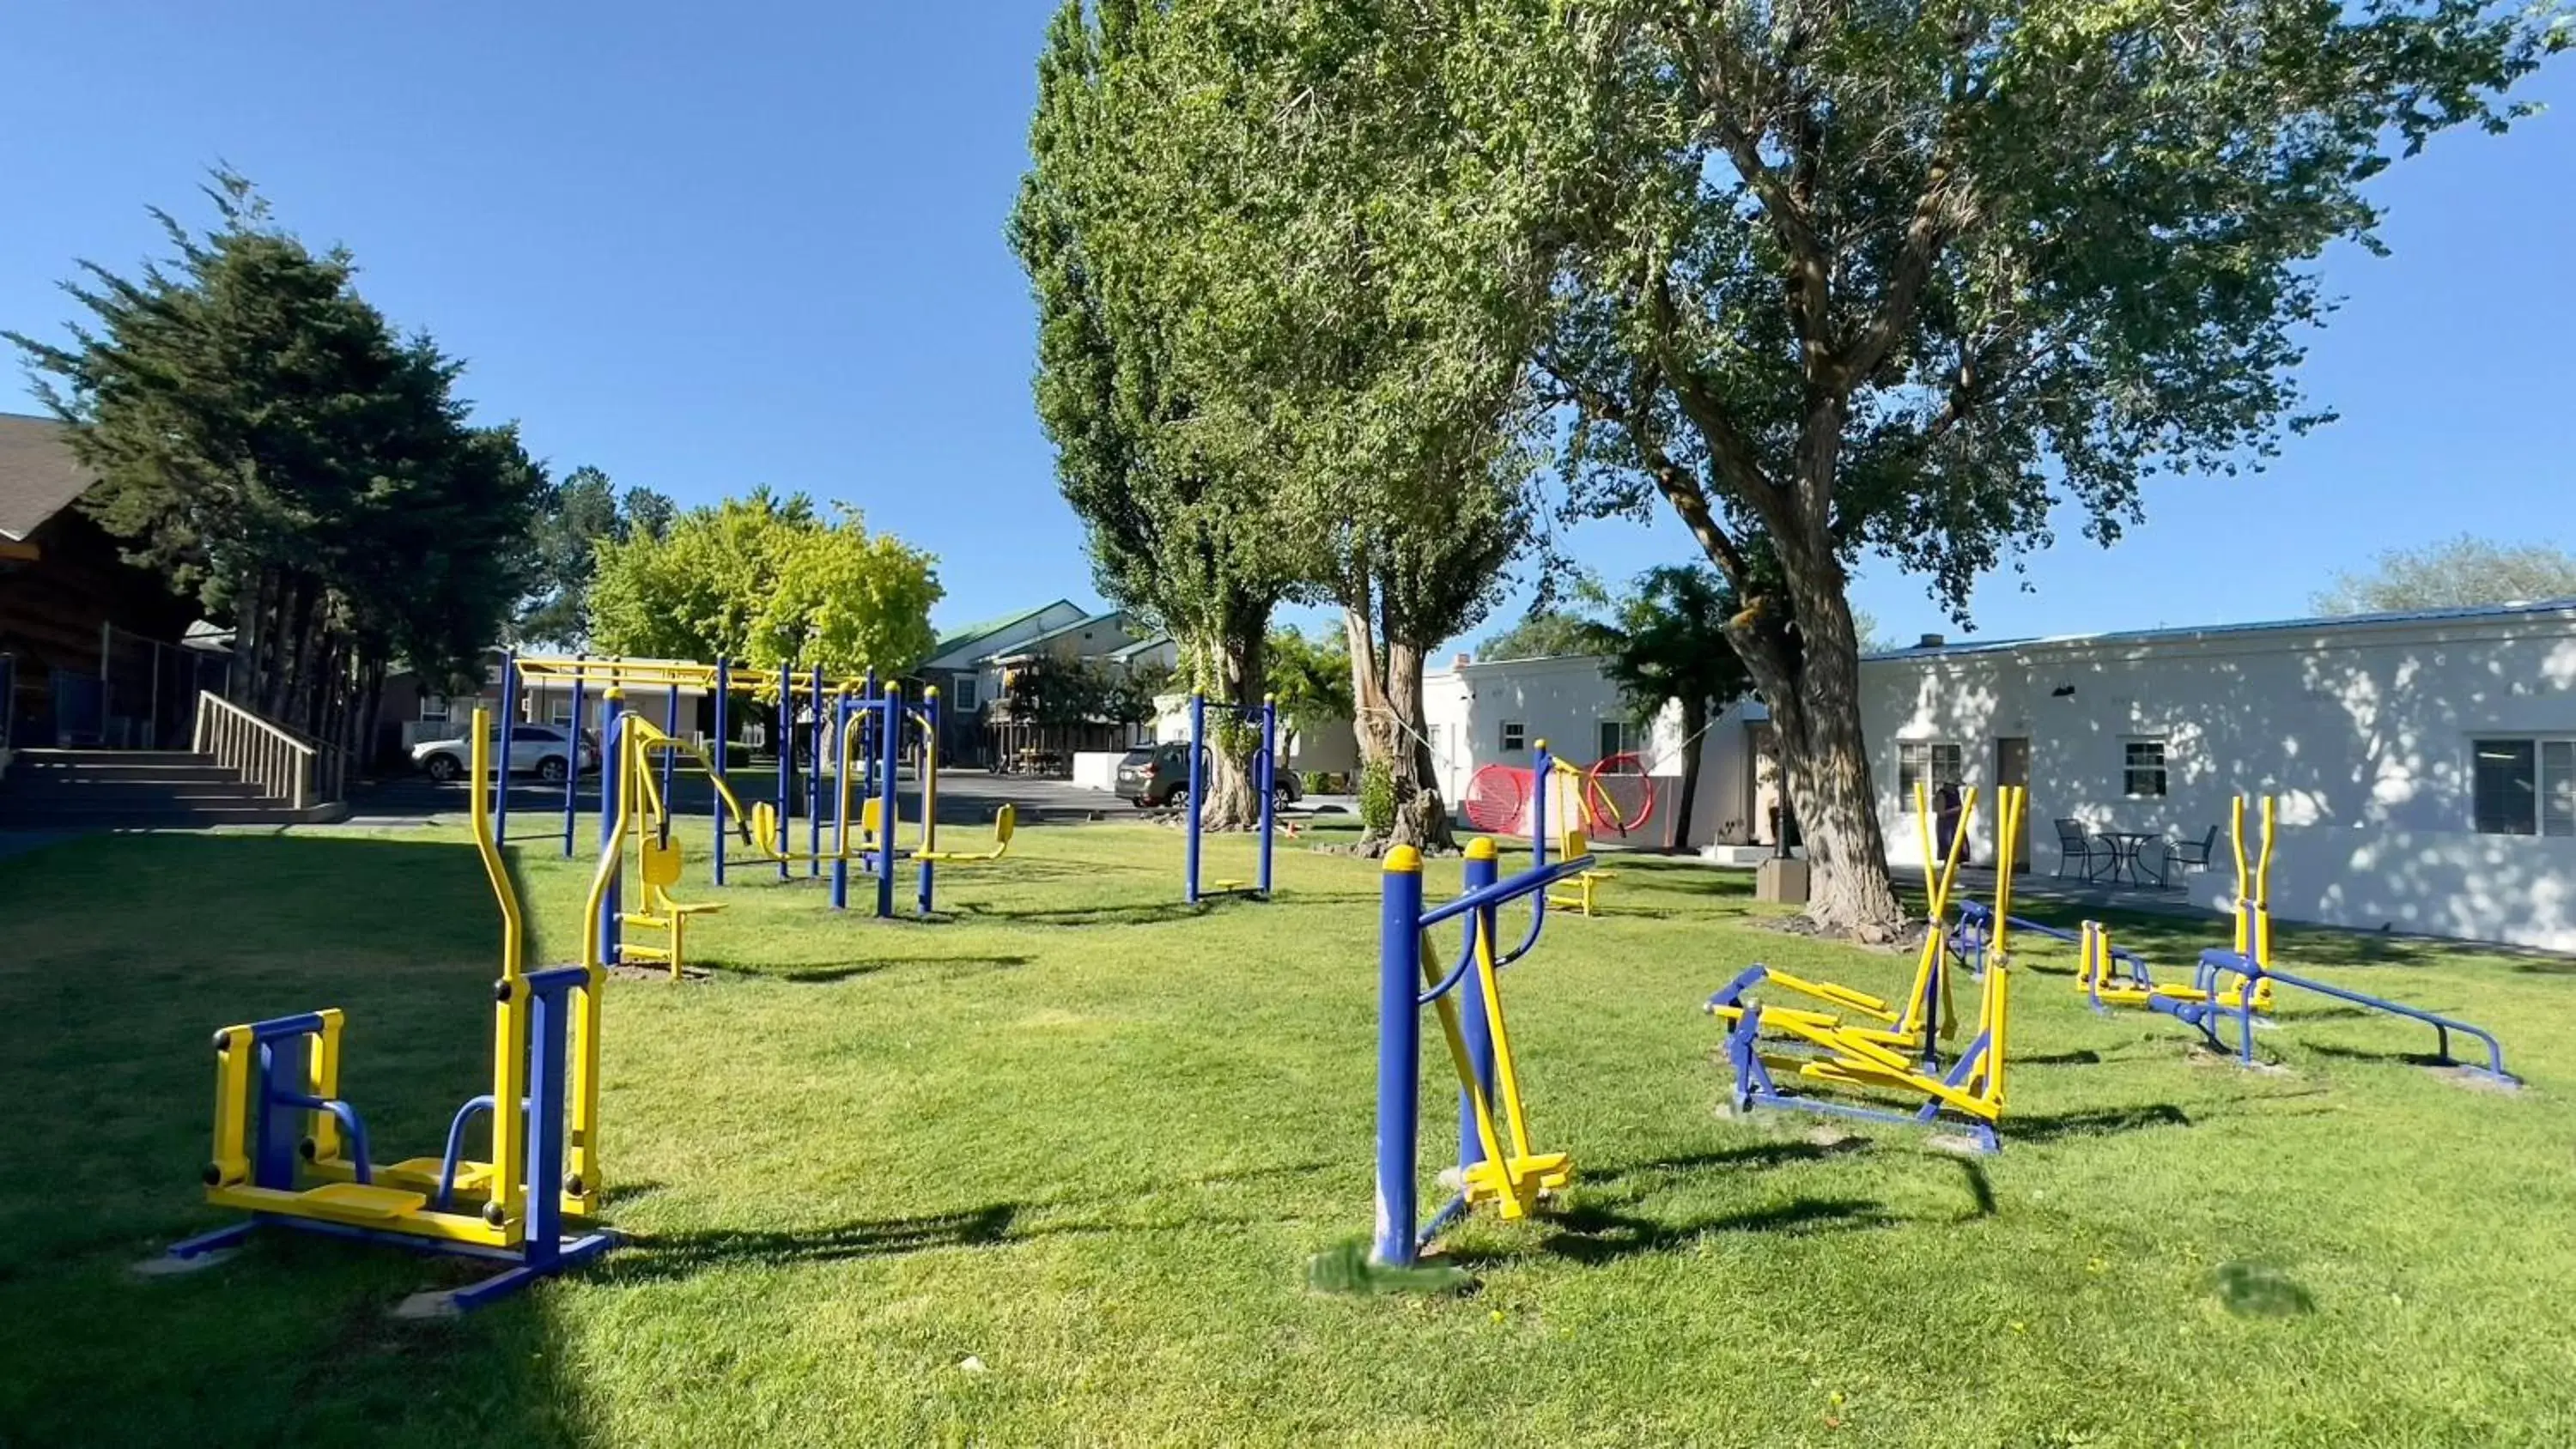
[1483, 868]
[867, 752]
[843, 721]
[786, 760]
[814, 788]
[889, 755]
[1399, 1044]
[1538, 806]
[929, 788]
[612, 789]
[572, 776]
[501, 766]
[670, 759]
[1268, 781]
[548, 1017]
[1198, 795]
[724, 744]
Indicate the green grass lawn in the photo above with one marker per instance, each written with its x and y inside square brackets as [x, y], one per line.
[1049, 1170]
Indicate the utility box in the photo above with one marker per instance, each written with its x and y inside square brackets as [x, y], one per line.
[1781, 880]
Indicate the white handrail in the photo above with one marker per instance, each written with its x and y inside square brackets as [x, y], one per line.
[263, 754]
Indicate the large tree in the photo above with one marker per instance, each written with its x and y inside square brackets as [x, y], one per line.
[1182, 529]
[765, 580]
[264, 437]
[577, 514]
[1902, 278]
[2457, 573]
[1354, 325]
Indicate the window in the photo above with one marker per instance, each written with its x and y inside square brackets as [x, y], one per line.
[1618, 737]
[1933, 762]
[961, 694]
[559, 711]
[2142, 767]
[1515, 735]
[2524, 787]
[433, 709]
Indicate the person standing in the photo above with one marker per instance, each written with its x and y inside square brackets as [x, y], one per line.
[1945, 812]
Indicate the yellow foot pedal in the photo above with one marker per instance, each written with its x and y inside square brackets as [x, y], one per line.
[1517, 1191]
[1229, 885]
[422, 1172]
[350, 1200]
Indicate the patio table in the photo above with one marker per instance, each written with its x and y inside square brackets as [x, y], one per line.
[2127, 848]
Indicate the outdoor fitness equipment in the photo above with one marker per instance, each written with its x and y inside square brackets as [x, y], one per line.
[1265, 763]
[1927, 1015]
[1495, 1162]
[1616, 796]
[1820, 1048]
[277, 1100]
[2232, 987]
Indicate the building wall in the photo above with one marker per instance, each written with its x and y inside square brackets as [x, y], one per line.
[1566, 702]
[2362, 730]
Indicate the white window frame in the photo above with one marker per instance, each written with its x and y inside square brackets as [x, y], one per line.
[2161, 770]
[1514, 736]
[1928, 765]
[559, 712]
[966, 694]
[2553, 780]
[437, 709]
[1623, 732]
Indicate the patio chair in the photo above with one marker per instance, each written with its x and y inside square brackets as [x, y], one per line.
[2076, 848]
[2189, 854]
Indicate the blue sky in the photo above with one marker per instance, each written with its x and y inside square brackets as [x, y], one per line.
[711, 247]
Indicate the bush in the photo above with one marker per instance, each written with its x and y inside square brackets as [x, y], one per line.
[1377, 798]
[1319, 782]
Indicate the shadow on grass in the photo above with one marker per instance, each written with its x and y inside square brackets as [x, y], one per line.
[1756, 1154]
[1594, 1235]
[2082, 1057]
[2363, 1054]
[1137, 914]
[2095, 1122]
[828, 975]
[2552, 966]
[664, 1257]
[2256, 1290]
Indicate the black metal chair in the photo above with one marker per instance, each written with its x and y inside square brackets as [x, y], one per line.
[2075, 848]
[2188, 855]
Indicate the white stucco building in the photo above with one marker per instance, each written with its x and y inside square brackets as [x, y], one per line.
[1477, 714]
[2424, 764]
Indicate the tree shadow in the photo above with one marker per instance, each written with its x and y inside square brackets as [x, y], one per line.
[2082, 1057]
[2096, 1122]
[1751, 1155]
[1981, 1189]
[1593, 1234]
[1139, 914]
[663, 1257]
[2363, 1054]
[2257, 1290]
[2553, 966]
[827, 975]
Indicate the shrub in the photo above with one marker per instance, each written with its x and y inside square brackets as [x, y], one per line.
[1377, 798]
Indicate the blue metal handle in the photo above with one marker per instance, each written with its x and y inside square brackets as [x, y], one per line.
[1535, 878]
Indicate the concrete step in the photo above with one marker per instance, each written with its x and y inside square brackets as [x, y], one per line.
[146, 819]
[52, 785]
[40, 758]
[25, 768]
[91, 801]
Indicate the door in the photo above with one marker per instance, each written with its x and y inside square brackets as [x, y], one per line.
[2012, 767]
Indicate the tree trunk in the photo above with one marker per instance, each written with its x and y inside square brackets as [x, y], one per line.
[1694, 724]
[1233, 795]
[1386, 687]
[1812, 685]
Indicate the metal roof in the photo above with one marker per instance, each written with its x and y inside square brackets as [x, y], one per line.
[2329, 622]
[39, 477]
[975, 633]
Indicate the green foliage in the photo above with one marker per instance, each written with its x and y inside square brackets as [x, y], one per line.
[1311, 676]
[1377, 797]
[763, 581]
[1545, 634]
[2457, 573]
[576, 515]
[1670, 642]
[265, 439]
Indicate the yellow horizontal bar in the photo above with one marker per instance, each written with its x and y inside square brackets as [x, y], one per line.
[445, 1227]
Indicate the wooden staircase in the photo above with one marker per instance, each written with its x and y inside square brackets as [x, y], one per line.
[134, 790]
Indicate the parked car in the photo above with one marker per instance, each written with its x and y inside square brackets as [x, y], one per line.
[544, 751]
[1153, 777]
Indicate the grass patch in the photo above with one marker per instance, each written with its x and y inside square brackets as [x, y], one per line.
[1071, 1163]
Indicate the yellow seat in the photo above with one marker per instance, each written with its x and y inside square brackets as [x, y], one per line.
[661, 871]
[1586, 885]
[347, 1200]
[1006, 823]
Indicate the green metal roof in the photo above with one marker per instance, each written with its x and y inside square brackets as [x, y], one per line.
[974, 633]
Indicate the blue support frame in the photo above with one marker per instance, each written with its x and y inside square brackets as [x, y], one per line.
[1265, 774]
[716, 757]
[572, 775]
[1755, 1087]
[1400, 1236]
[501, 761]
